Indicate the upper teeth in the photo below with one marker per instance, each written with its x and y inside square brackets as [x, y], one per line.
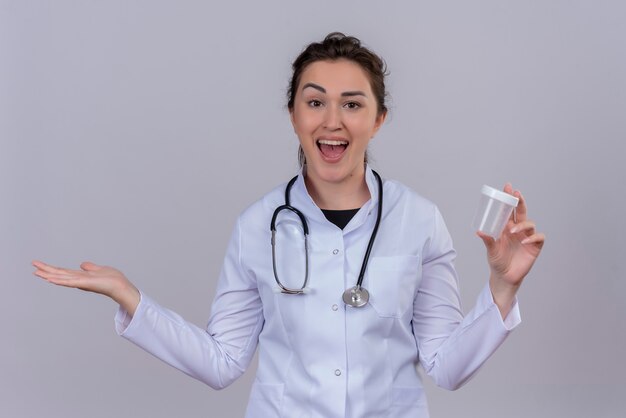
[329, 142]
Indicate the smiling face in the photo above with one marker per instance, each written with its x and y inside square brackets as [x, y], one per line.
[335, 115]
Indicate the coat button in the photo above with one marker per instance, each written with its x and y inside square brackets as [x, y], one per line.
[337, 372]
[335, 307]
[335, 251]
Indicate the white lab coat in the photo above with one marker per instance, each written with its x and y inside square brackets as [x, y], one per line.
[317, 357]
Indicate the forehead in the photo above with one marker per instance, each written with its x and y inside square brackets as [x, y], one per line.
[340, 75]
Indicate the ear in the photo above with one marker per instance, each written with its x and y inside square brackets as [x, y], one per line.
[380, 119]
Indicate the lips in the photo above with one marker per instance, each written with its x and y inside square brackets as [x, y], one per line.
[332, 149]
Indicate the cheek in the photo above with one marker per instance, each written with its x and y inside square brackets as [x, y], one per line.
[303, 130]
[363, 128]
[299, 118]
[302, 120]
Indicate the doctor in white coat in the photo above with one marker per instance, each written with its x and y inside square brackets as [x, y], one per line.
[318, 355]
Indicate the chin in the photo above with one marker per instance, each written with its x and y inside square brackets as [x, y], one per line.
[334, 173]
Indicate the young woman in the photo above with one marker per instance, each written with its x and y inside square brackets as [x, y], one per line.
[341, 319]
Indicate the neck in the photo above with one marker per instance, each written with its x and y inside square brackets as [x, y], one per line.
[350, 193]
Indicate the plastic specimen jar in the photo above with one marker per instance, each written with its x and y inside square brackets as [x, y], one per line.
[494, 210]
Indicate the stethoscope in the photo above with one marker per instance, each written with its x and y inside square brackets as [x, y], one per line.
[356, 296]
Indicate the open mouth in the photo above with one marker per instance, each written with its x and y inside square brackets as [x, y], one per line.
[332, 149]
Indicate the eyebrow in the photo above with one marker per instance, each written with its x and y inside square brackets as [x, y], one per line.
[344, 94]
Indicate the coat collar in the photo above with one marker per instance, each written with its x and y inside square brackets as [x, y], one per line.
[301, 199]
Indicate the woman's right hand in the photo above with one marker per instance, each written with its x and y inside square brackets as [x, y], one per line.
[93, 278]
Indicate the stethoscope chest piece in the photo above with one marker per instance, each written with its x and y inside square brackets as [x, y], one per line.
[356, 296]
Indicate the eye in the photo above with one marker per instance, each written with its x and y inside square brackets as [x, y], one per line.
[314, 103]
[352, 105]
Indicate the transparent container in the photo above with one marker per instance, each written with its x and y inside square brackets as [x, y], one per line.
[494, 210]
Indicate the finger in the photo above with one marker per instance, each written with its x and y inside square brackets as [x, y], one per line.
[47, 267]
[59, 276]
[527, 227]
[516, 215]
[521, 208]
[40, 264]
[537, 239]
[89, 266]
[67, 280]
[40, 274]
[488, 240]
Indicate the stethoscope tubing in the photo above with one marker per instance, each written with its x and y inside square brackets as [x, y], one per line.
[370, 244]
[356, 296]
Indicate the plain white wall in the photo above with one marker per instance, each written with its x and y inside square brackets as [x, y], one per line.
[132, 133]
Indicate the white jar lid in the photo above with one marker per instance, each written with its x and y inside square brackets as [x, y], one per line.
[500, 195]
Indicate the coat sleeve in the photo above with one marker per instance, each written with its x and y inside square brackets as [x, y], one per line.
[218, 354]
[452, 347]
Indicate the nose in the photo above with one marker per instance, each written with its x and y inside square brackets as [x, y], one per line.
[332, 120]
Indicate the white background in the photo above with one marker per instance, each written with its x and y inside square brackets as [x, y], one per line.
[132, 133]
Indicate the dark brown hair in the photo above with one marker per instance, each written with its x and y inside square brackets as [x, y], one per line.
[337, 46]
